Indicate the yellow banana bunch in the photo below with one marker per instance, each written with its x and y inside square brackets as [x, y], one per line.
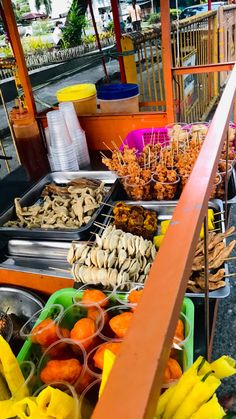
[15, 402]
[12, 380]
[193, 397]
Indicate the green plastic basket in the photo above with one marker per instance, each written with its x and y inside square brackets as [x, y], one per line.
[30, 352]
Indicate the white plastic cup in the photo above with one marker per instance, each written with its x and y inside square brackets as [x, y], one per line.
[88, 400]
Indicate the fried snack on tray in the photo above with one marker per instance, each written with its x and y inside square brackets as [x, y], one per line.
[218, 252]
[179, 153]
[135, 219]
[165, 183]
[72, 208]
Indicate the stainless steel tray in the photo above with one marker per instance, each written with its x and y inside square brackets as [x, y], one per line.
[33, 194]
[35, 249]
[49, 267]
[165, 211]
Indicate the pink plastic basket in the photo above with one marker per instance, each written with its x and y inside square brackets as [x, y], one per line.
[141, 137]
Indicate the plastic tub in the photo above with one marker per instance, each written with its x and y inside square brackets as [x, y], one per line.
[119, 98]
[141, 137]
[83, 96]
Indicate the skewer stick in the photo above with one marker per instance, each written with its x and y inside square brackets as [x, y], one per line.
[120, 139]
[143, 141]
[59, 269]
[231, 258]
[107, 146]
[218, 221]
[229, 275]
[97, 224]
[108, 215]
[115, 145]
[103, 155]
[109, 205]
[218, 213]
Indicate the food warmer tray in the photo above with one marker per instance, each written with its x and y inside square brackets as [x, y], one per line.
[165, 210]
[40, 266]
[60, 178]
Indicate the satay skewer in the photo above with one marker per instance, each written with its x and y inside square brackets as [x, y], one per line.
[218, 213]
[229, 275]
[109, 205]
[107, 146]
[59, 269]
[103, 155]
[108, 215]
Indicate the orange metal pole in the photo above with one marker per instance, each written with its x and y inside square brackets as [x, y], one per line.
[116, 20]
[167, 59]
[134, 384]
[98, 38]
[13, 33]
[206, 68]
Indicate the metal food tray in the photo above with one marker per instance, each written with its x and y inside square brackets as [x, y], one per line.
[123, 196]
[165, 211]
[33, 194]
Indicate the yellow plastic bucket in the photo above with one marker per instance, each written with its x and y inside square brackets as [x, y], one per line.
[83, 96]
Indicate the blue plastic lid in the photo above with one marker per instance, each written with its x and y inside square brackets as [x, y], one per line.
[117, 91]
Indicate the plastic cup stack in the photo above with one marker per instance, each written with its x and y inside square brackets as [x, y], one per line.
[61, 149]
[76, 133]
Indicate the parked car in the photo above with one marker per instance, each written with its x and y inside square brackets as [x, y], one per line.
[200, 8]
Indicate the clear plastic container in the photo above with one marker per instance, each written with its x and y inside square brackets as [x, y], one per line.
[83, 96]
[37, 335]
[67, 389]
[89, 399]
[164, 190]
[127, 105]
[123, 291]
[216, 191]
[187, 331]
[95, 368]
[108, 332]
[76, 133]
[91, 322]
[140, 191]
[64, 360]
[29, 372]
[101, 297]
[59, 134]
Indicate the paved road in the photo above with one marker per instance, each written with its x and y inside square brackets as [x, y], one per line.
[47, 94]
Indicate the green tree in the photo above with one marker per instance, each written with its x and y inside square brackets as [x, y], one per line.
[47, 5]
[75, 23]
[20, 7]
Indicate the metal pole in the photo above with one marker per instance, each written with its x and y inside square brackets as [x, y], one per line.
[12, 31]
[116, 20]
[97, 38]
[206, 302]
[209, 5]
[167, 59]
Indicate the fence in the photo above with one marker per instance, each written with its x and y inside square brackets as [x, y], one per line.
[203, 39]
[227, 37]
[194, 42]
[54, 56]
